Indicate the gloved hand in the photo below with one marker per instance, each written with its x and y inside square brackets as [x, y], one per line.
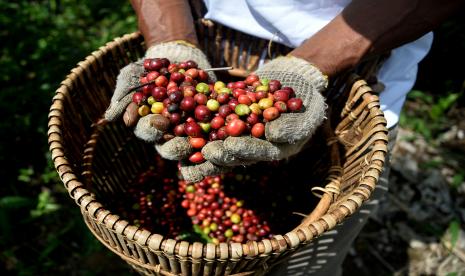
[177, 148]
[286, 135]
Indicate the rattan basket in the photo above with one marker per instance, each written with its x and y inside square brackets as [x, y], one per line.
[96, 160]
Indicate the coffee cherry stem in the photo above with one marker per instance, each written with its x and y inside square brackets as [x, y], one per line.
[140, 86]
[218, 69]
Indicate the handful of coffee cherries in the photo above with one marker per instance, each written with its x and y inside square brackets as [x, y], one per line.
[188, 103]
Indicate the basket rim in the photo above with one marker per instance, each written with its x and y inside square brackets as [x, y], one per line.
[224, 251]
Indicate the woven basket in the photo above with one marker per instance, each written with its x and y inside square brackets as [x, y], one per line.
[97, 161]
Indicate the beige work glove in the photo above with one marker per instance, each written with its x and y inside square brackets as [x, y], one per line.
[177, 148]
[285, 136]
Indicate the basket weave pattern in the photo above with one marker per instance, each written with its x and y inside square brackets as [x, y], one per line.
[96, 159]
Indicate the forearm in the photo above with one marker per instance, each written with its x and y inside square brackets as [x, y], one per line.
[165, 20]
[368, 27]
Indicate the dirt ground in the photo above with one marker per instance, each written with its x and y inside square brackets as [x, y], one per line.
[417, 230]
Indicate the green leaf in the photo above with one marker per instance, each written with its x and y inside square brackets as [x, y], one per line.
[15, 202]
[25, 174]
[454, 230]
[420, 95]
[458, 179]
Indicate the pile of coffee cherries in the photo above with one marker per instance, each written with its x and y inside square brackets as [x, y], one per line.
[202, 211]
[154, 201]
[188, 104]
[220, 217]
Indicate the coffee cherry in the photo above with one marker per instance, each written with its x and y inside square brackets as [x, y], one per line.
[270, 113]
[202, 87]
[176, 77]
[155, 64]
[187, 104]
[165, 62]
[197, 143]
[191, 64]
[290, 90]
[188, 91]
[231, 117]
[166, 102]
[238, 92]
[192, 129]
[281, 106]
[164, 72]
[159, 93]
[221, 133]
[201, 99]
[175, 118]
[224, 110]
[157, 108]
[213, 105]
[202, 113]
[138, 98]
[281, 95]
[274, 85]
[161, 81]
[261, 95]
[223, 98]
[174, 107]
[252, 119]
[213, 136]
[175, 96]
[143, 110]
[196, 157]
[205, 127]
[242, 110]
[192, 72]
[255, 109]
[147, 64]
[152, 75]
[258, 130]
[263, 88]
[251, 79]
[244, 99]
[217, 122]
[265, 103]
[235, 127]
[294, 104]
[179, 130]
[225, 90]
[203, 76]
[218, 85]
[233, 103]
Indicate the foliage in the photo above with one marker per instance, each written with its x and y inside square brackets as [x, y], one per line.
[41, 42]
[427, 115]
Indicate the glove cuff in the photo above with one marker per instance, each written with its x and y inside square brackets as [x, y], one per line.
[179, 51]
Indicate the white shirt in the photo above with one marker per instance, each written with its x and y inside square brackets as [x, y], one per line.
[290, 22]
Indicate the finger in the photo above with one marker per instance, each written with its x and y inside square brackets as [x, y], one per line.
[131, 115]
[215, 152]
[196, 173]
[249, 148]
[128, 77]
[146, 131]
[117, 108]
[177, 148]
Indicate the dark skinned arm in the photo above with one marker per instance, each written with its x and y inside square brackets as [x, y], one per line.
[165, 20]
[368, 27]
